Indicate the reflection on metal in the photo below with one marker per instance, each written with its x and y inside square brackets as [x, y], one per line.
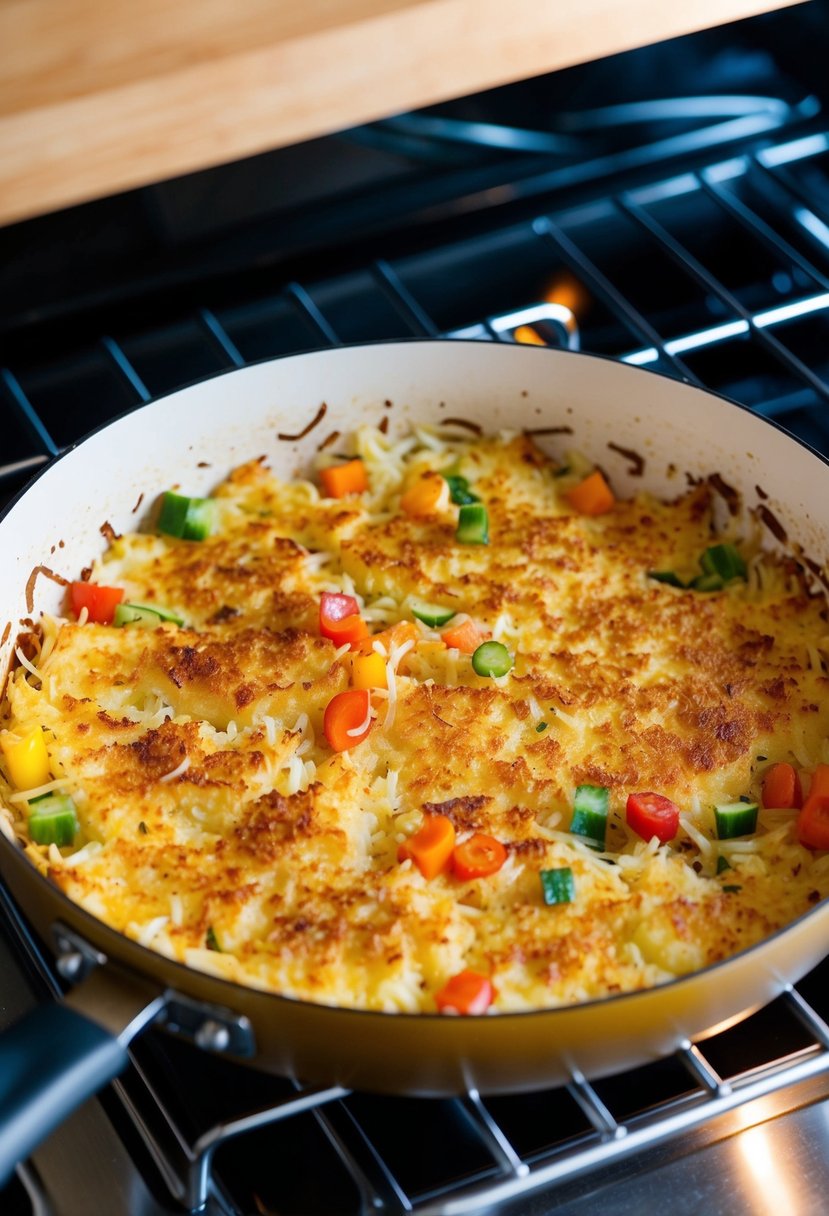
[26, 410]
[731, 116]
[675, 109]
[200, 1155]
[790, 312]
[613, 1141]
[765, 1178]
[768, 319]
[813, 225]
[795, 149]
[558, 316]
[484, 134]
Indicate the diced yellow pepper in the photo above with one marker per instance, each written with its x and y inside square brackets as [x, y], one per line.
[27, 760]
[368, 671]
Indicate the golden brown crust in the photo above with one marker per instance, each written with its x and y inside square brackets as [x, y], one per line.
[199, 762]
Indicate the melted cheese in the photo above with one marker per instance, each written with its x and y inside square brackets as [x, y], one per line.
[213, 811]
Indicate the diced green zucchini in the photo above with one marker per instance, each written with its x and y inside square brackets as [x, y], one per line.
[53, 820]
[491, 659]
[735, 819]
[459, 490]
[557, 886]
[473, 525]
[432, 614]
[707, 582]
[666, 576]
[590, 806]
[146, 616]
[723, 560]
[188, 518]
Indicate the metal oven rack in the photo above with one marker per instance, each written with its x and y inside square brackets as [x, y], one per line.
[766, 346]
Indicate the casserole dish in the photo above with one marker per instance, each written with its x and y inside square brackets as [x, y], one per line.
[57, 1057]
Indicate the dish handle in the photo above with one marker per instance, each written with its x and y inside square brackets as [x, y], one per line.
[58, 1055]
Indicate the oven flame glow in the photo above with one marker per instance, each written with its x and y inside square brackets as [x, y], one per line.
[569, 291]
[528, 336]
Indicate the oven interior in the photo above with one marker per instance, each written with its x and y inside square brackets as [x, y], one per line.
[668, 207]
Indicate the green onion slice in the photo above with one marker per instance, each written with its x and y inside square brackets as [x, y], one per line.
[557, 886]
[53, 820]
[541, 727]
[723, 560]
[735, 819]
[732, 887]
[491, 659]
[211, 941]
[432, 614]
[473, 525]
[188, 518]
[723, 864]
[459, 490]
[590, 806]
[147, 616]
[666, 576]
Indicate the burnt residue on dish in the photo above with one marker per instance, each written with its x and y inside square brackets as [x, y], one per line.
[773, 524]
[32, 579]
[637, 462]
[315, 421]
[727, 493]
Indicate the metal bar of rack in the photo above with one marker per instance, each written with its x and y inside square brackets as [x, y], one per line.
[608, 1138]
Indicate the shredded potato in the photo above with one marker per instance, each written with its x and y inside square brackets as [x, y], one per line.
[218, 827]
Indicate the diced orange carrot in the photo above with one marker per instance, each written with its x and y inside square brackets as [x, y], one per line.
[428, 494]
[813, 822]
[781, 787]
[820, 781]
[593, 496]
[395, 635]
[431, 847]
[465, 636]
[340, 480]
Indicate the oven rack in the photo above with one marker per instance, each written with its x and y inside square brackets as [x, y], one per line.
[801, 297]
[511, 1174]
[799, 396]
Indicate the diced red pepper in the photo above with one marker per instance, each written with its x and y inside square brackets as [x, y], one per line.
[99, 602]
[340, 619]
[651, 814]
[467, 992]
[347, 718]
[478, 857]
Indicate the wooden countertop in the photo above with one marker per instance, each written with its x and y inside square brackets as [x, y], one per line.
[98, 96]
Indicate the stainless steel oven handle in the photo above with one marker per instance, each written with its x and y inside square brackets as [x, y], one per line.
[60, 1054]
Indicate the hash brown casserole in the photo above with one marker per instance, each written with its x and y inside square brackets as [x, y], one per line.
[313, 773]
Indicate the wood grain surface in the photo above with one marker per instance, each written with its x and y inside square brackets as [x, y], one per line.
[98, 96]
